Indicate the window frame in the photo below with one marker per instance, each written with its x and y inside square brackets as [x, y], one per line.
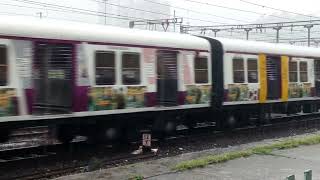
[306, 71]
[114, 67]
[194, 69]
[256, 70]
[243, 70]
[140, 68]
[296, 71]
[6, 65]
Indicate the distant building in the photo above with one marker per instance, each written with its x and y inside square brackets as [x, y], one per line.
[135, 9]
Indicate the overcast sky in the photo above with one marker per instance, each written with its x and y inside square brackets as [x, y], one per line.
[304, 7]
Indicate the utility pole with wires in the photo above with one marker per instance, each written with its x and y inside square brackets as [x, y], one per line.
[105, 12]
[174, 22]
[301, 27]
[40, 14]
[152, 23]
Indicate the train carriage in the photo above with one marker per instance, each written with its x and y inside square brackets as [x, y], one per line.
[270, 73]
[103, 81]
[260, 78]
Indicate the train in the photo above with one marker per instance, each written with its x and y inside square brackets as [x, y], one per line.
[107, 82]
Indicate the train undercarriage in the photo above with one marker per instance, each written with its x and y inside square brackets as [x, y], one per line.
[128, 127]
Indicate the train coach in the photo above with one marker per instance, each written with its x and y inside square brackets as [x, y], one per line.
[106, 82]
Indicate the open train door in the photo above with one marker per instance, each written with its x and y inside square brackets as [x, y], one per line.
[274, 77]
[167, 78]
[52, 78]
[317, 76]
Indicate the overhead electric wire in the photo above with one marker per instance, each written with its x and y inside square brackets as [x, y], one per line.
[235, 9]
[17, 14]
[158, 13]
[79, 10]
[49, 8]
[36, 16]
[60, 6]
[253, 35]
[52, 9]
[198, 12]
[264, 6]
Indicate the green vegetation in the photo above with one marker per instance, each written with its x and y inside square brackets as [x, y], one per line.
[259, 150]
[136, 177]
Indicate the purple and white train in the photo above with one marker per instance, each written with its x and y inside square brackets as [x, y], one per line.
[104, 82]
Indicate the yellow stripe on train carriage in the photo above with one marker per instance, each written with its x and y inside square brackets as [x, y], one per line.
[263, 78]
[284, 77]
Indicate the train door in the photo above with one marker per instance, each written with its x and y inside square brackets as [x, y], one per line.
[167, 78]
[317, 76]
[274, 77]
[52, 78]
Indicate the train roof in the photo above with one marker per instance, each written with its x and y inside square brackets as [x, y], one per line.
[255, 47]
[65, 30]
[16, 26]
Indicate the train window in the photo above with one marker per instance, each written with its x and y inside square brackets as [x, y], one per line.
[130, 68]
[252, 70]
[238, 70]
[201, 70]
[303, 71]
[3, 66]
[293, 71]
[105, 68]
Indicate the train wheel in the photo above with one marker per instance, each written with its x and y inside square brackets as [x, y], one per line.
[110, 134]
[231, 121]
[105, 134]
[162, 127]
[170, 127]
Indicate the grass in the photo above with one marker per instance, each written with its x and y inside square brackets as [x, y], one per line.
[259, 150]
[136, 177]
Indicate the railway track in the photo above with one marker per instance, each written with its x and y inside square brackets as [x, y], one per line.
[278, 124]
[84, 167]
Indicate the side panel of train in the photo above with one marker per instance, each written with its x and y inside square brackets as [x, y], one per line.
[43, 78]
[270, 79]
[72, 85]
[121, 78]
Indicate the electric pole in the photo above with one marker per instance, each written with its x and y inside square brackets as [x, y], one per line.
[105, 12]
[40, 14]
